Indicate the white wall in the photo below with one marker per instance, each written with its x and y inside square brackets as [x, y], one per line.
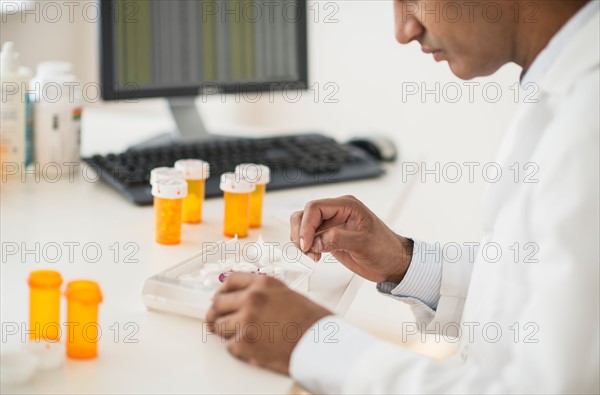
[359, 55]
[44, 30]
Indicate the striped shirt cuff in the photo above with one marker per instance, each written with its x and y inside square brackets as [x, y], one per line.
[423, 278]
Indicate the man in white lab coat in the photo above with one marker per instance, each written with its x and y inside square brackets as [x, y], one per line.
[526, 312]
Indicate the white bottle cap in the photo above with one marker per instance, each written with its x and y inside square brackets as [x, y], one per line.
[165, 173]
[51, 355]
[252, 172]
[17, 367]
[54, 67]
[231, 182]
[169, 188]
[55, 72]
[193, 169]
[25, 71]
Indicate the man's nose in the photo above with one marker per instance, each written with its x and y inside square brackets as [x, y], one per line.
[408, 27]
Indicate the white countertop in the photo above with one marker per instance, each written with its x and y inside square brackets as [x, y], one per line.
[151, 352]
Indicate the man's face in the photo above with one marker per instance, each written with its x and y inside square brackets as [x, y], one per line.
[475, 37]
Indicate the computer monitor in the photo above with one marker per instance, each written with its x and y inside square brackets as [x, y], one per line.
[179, 49]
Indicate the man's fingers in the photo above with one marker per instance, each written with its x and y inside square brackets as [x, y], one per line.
[227, 326]
[334, 211]
[295, 221]
[224, 304]
[315, 256]
[237, 325]
[236, 282]
[338, 239]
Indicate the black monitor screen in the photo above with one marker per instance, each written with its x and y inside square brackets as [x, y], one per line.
[156, 48]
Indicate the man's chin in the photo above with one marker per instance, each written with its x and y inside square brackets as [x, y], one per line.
[464, 72]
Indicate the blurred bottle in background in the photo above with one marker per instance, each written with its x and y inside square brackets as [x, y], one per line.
[15, 127]
[57, 105]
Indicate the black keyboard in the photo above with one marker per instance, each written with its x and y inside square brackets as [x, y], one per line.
[295, 161]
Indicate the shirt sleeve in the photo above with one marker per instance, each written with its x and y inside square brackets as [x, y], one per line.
[436, 283]
[422, 280]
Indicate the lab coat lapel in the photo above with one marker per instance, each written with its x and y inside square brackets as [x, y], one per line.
[515, 152]
[580, 55]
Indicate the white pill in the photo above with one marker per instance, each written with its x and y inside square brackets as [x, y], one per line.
[227, 267]
[211, 266]
[271, 257]
[269, 271]
[230, 261]
[245, 268]
[211, 283]
[279, 273]
[253, 251]
[186, 278]
[206, 273]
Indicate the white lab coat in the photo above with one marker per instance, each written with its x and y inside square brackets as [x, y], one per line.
[554, 303]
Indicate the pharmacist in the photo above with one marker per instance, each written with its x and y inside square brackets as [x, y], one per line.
[524, 324]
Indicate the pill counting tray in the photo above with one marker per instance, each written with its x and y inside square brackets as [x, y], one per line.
[186, 288]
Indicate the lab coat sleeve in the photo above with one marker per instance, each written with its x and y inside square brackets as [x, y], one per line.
[436, 283]
[334, 357]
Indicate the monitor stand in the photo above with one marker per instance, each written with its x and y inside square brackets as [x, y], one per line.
[190, 127]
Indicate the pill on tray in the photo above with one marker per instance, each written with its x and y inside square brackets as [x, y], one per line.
[227, 267]
[211, 266]
[269, 270]
[245, 268]
[204, 273]
[187, 278]
[279, 273]
[212, 282]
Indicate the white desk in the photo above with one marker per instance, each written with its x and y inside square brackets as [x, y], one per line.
[171, 354]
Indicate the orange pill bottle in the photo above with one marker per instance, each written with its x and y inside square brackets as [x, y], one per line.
[44, 305]
[260, 176]
[168, 209]
[237, 193]
[195, 173]
[83, 298]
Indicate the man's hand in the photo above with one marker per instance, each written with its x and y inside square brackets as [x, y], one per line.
[262, 319]
[354, 235]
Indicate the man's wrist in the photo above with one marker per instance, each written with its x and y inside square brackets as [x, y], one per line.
[406, 254]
